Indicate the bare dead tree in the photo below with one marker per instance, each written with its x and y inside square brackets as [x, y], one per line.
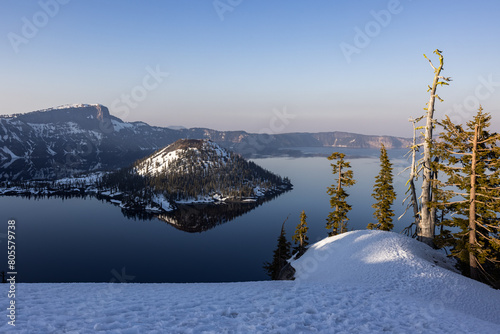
[426, 227]
[411, 193]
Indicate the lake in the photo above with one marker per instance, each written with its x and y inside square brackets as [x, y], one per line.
[89, 240]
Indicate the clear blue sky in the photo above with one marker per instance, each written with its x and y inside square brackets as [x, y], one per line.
[235, 64]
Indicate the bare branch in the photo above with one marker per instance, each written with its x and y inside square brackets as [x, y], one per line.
[445, 78]
[430, 62]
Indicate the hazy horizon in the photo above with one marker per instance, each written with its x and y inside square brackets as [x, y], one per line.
[270, 132]
[239, 65]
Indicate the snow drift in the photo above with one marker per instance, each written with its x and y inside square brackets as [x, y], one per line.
[357, 282]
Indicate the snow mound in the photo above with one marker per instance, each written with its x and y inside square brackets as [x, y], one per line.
[357, 282]
[371, 257]
[386, 261]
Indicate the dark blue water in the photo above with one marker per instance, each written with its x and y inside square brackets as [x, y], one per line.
[87, 240]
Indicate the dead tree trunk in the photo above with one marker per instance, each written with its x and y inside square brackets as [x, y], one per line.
[426, 228]
[412, 196]
[413, 175]
[473, 264]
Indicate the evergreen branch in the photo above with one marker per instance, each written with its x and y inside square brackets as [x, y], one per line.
[451, 167]
[488, 188]
[457, 153]
[487, 196]
[455, 193]
[494, 138]
[485, 226]
[486, 237]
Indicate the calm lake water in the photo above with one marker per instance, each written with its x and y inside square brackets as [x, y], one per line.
[88, 240]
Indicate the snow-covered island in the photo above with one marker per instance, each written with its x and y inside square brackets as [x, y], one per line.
[188, 171]
[356, 282]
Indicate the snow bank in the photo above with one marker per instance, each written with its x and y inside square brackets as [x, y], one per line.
[409, 270]
[358, 282]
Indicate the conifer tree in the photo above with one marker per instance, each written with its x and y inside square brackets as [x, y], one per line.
[280, 256]
[300, 236]
[471, 161]
[384, 194]
[337, 219]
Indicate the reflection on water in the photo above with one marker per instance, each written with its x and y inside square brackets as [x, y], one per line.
[187, 217]
[200, 217]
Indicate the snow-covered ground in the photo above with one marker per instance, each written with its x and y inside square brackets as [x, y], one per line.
[358, 282]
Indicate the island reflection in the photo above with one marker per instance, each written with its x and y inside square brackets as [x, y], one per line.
[196, 218]
[192, 218]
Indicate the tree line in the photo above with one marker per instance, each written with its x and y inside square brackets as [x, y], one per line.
[459, 196]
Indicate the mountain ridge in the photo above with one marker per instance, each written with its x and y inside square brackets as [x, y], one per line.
[65, 140]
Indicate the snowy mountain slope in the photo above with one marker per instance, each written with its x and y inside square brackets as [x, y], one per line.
[65, 140]
[183, 155]
[358, 282]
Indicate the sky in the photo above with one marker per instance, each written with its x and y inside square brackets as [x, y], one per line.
[259, 66]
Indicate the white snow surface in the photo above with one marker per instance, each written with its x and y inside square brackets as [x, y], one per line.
[162, 202]
[77, 105]
[118, 126]
[160, 161]
[6, 150]
[88, 180]
[357, 282]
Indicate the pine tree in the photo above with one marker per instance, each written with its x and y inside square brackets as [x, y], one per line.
[280, 256]
[300, 236]
[384, 194]
[337, 219]
[471, 160]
